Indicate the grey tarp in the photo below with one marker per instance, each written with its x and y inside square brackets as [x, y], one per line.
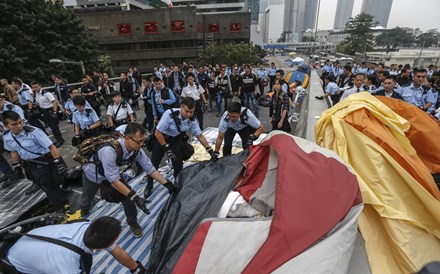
[203, 188]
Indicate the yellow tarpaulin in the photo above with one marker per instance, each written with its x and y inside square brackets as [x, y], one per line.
[401, 218]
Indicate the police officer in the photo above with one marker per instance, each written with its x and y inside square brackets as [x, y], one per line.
[85, 120]
[69, 107]
[102, 172]
[327, 69]
[272, 74]
[239, 120]
[248, 83]
[262, 76]
[414, 92]
[197, 92]
[26, 100]
[9, 175]
[331, 89]
[49, 108]
[41, 159]
[168, 137]
[119, 111]
[29, 255]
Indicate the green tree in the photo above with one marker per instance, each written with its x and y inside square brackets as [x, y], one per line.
[106, 65]
[231, 53]
[283, 37]
[33, 32]
[428, 39]
[360, 36]
[393, 38]
[308, 39]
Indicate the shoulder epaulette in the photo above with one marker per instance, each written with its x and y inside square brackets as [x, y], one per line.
[6, 132]
[28, 128]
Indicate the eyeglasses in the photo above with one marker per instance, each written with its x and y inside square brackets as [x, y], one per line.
[137, 142]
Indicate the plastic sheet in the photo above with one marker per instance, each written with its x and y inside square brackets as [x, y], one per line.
[202, 189]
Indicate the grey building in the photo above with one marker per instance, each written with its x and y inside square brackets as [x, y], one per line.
[344, 9]
[145, 38]
[311, 9]
[294, 11]
[380, 9]
[254, 7]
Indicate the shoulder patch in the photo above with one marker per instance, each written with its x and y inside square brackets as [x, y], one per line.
[6, 132]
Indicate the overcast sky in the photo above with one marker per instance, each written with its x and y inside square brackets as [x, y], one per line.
[424, 14]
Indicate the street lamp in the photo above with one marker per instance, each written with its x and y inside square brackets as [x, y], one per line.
[58, 61]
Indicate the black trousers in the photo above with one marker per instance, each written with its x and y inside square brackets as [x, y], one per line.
[44, 176]
[272, 79]
[89, 190]
[199, 113]
[53, 123]
[229, 137]
[149, 118]
[158, 153]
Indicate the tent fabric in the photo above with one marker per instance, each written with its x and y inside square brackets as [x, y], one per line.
[423, 133]
[15, 201]
[334, 184]
[400, 222]
[301, 217]
[202, 189]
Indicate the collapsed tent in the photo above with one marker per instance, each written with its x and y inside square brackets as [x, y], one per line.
[401, 219]
[310, 203]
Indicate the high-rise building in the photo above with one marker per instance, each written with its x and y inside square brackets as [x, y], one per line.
[310, 14]
[254, 7]
[379, 9]
[273, 21]
[344, 9]
[294, 15]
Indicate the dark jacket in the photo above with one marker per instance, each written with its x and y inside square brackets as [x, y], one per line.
[170, 81]
[126, 89]
[382, 93]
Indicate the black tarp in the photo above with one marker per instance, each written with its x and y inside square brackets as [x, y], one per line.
[202, 189]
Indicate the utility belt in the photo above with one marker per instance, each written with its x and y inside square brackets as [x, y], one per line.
[182, 137]
[121, 122]
[45, 159]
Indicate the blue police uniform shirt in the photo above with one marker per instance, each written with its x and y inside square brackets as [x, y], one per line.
[226, 123]
[85, 118]
[71, 107]
[24, 95]
[412, 95]
[34, 140]
[261, 73]
[363, 70]
[327, 68]
[272, 71]
[430, 97]
[107, 155]
[156, 104]
[168, 127]
[331, 88]
[30, 255]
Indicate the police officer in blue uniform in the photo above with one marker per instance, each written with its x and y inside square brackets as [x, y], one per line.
[414, 92]
[239, 120]
[27, 104]
[170, 135]
[40, 158]
[103, 172]
[272, 74]
[29, 255]
[69, 107]
[85, 120]
[9, 175]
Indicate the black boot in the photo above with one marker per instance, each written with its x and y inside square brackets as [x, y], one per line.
[148, 189]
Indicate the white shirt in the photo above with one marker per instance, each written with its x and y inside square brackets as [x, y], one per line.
[46, 100]
[351, 91]
[193, 91]
[123, 112]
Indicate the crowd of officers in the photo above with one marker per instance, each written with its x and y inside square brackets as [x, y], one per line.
[417, 86]
[174, 103]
